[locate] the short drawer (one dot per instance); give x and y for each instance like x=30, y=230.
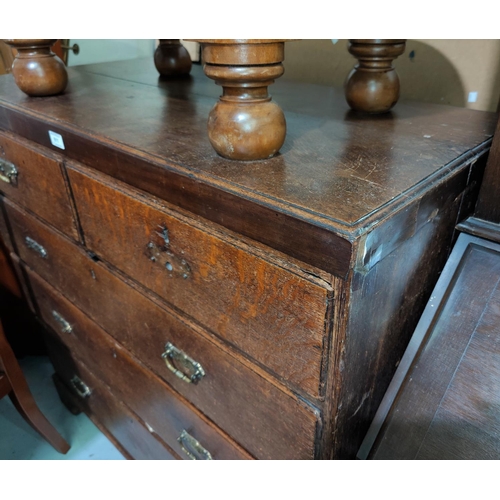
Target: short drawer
x=274, y=315
x=163, y=412
x=258, y=415
x=35, y=181
x=90, y=395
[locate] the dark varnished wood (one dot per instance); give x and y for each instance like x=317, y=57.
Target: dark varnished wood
x=373, y=84
x=153, y=401
x=397, y=268
x=355, y=169
x=21, y=329
x=40, y=184
x=258, y=415
x=37, y=70
x=172, y=59
x=247, y=293
x=480, y=227
x=485, y=222
x=488, y=207
x=441, y=402
x=112, y=416
x=69, y=399
x=371, y=200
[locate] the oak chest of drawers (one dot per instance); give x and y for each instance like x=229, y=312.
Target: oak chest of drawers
x=198, y=307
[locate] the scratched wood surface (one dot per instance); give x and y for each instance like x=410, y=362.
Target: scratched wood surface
x=159, y=406
x=247, y=294
x=39, y=184
x=120, y=424
x=233, y=396
x=336, y=173
x=361, y=212
x=374, y=158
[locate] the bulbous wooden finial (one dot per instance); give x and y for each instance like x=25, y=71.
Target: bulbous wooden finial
x=245, y=124
x=37, y=70
x=373, y=84
x=172, y=59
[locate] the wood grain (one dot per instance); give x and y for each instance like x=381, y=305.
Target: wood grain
x=120, y=423
x=304, y=274
x=259, y=416
x=40, y=185
x=335, y=171
x=243, y=299
x=37, y=70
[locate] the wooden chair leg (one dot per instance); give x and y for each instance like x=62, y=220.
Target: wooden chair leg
x=23, y=400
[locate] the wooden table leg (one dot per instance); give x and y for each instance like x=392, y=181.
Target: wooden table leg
x=373, y=84
x=36, y=69
x=172, y=59
x=245, y=124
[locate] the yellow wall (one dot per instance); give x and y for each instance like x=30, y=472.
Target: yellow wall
x=440, y=71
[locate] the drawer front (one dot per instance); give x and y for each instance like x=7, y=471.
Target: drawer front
x=153, y=401
x=35, y=181
x=4, y=227
x=101, y=406
x=261, y=417
x=275, y=316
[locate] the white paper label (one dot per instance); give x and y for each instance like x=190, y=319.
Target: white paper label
x=56, y=140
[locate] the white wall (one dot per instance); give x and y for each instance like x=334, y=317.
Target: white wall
x=95, y=50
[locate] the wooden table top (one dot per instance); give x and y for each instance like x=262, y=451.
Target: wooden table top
x=337, y=171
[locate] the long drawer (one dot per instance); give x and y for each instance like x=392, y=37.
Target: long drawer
x=35, y=180
x=261, y=417
x=96, y=400
x=153, y=401
x=272, y=314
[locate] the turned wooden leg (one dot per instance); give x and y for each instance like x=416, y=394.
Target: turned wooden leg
x=245, y=124
x=36, y=69
x=172, y=59
x=373, y=84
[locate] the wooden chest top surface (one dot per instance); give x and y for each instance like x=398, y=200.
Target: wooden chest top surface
x=345, y=193
x=337, y=175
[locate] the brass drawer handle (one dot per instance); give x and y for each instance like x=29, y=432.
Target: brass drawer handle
x=191, y=372
x=192, y=448
x=30, y=243
x=8, y=172
x=82, y=389
x=65, y=326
